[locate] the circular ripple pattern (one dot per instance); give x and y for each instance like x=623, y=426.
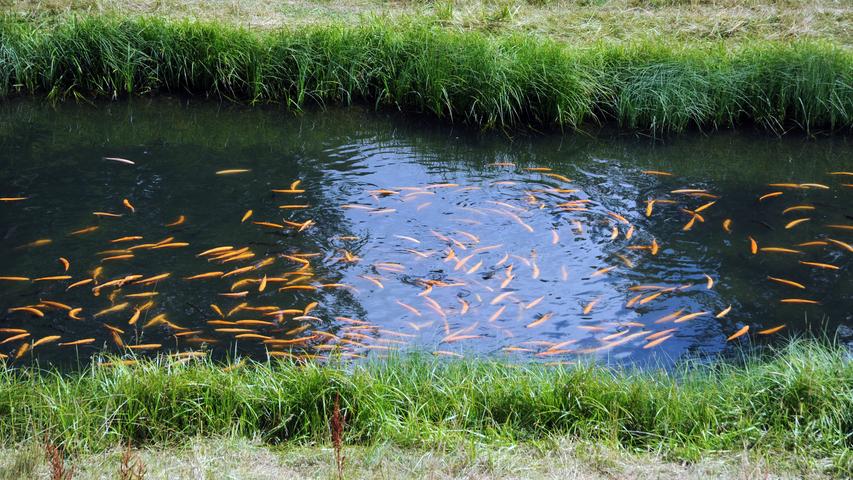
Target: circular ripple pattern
x=198, y=230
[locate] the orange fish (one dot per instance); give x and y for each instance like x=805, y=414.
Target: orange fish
x=170, y=245
x=769, y=195
x=84, y=341
x=779, y=250
x=373, y=280
x=47, y=339
x=532, y=303
x=500, y=297
x=689, y=316
x=65, y=263
x=24, y=348
x=845, y=246
x=797, y=208
x=145, y=346
x=114, y=308
x=255, y=336
x=738, y=333
x=655, y=343
x=794, y=223
x=498, y=313
x=154, y=279
x=235, y=294
x=651, y=297
x=602, y=271
x=117, y=339
x=120, y=160
x=19, y=336
x=544, y=318
x=129, y=205
x=38, y=243
x=705, y=206
x=84, y=230
x=786, y=282
x=633, y=300
x=771, y=330
x=216, y=250
x=53, y=304
x=118, y=257
x=464, y=308
x=269, y=225
x=181, y=219
x=80, y=283
x=447, y=353
x=205, y=275
x=31, y=310
x=126, y=239
x=826, y=266
x=409, y=308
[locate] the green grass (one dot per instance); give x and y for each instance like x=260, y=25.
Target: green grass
x=571, y=21
x=798, y=400
x=415, y=65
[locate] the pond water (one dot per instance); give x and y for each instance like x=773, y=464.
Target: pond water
x=388, y=233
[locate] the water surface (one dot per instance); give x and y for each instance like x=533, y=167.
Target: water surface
x=412, y=236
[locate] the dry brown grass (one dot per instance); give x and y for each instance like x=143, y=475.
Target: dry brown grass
x=580, y=21
x=558, y=459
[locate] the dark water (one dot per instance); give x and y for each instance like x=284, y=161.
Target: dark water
x=390, y=199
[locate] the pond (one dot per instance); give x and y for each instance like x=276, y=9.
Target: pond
x=161, y=225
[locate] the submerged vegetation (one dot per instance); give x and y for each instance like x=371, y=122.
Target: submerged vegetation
x=417, y=65
x=800, y=400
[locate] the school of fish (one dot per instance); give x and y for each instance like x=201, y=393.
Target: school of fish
x=446, y=289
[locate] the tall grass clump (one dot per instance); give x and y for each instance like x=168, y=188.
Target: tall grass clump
x=417, y=65
x=798, y=400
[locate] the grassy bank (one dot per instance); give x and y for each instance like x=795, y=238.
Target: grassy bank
x=799, y=402
x=242, y=459
x=419, y=66
x=572, y=21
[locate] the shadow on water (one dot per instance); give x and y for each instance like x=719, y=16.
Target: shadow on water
x=422, y=235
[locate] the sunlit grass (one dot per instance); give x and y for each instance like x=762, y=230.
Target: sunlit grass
x=418, y=66
x=798, y=400
x=571, y=21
